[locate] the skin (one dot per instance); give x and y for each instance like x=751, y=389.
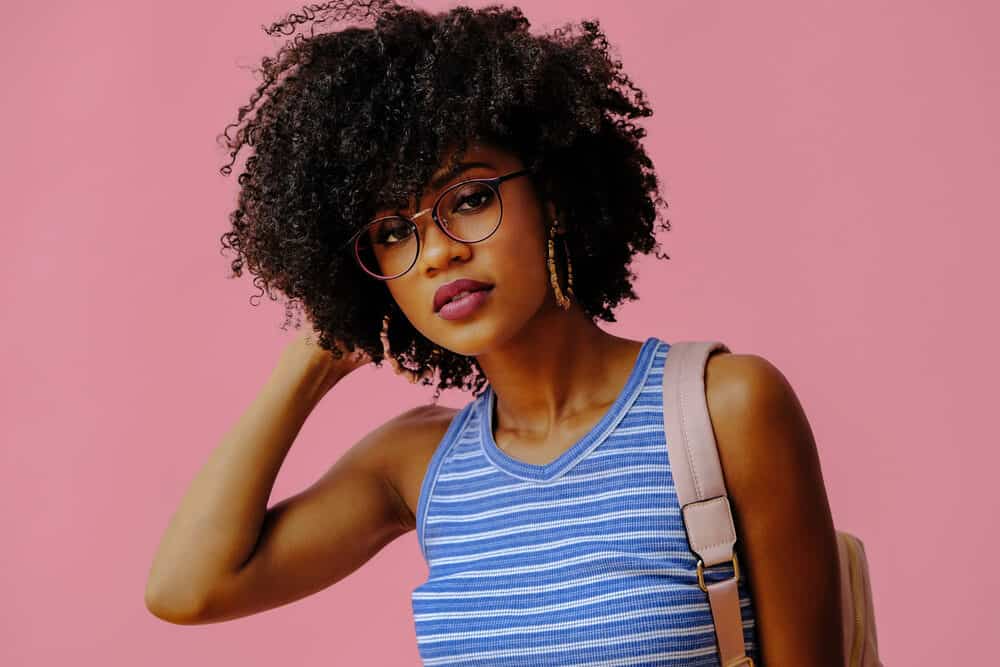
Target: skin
x=555, y=374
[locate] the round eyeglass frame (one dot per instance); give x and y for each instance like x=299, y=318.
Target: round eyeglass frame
x=493, y=183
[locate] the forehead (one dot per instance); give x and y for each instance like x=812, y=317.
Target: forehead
x=479, y=151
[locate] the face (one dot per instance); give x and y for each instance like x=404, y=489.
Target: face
x=512, y=259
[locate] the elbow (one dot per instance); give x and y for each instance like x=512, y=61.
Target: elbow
x=179, y=609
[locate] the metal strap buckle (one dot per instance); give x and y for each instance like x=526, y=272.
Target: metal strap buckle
x=702, y=586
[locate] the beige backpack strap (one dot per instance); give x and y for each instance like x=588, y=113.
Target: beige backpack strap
x=701, y=489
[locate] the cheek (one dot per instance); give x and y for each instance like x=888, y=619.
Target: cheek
x=407, y=297
x=517, y=250
x=523, y=264
x=517, y=261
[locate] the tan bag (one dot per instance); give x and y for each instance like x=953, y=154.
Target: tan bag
x=708, y=519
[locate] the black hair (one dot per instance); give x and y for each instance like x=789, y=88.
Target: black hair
x=347, y=121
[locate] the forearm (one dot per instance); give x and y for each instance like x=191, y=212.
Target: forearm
x=217, y=524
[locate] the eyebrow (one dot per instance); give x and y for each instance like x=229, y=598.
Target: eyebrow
x=459, y=168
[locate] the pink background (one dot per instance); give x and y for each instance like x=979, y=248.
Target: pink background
x=832, y=171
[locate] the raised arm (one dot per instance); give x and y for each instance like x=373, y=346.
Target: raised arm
x=224, y=554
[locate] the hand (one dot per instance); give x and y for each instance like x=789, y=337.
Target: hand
x=304, y=353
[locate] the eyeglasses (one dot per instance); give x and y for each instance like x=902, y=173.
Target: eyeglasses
x=469, y=212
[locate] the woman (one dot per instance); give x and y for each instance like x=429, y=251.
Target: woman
x=463, y=198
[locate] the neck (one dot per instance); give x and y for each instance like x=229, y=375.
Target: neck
x=560, y=364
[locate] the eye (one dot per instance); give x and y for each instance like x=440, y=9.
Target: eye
x=389, y=232
x=473, y=197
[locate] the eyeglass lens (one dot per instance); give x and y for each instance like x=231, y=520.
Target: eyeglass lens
x=470, y=212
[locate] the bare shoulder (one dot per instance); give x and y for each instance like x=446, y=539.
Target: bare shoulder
x=409, y=442
x=731, y=378
x=754, y=412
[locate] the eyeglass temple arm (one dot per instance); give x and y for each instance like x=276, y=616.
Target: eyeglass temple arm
x=513, y=174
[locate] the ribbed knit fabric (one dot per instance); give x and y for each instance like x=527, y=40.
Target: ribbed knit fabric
x=582, y=561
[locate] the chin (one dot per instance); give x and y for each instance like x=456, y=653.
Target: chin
x=468, y=340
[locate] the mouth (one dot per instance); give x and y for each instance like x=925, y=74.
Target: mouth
x=456, y=290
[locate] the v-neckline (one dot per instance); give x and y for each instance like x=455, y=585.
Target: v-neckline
x=555, y=468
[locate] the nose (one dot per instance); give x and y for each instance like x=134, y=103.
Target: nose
x=437, y=249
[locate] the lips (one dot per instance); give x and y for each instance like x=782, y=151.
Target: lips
x=444, y=293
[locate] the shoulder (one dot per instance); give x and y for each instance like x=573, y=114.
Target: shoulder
x=425, y=416
x=741, y=381
x=760, y=427
x=410, y=440
x=416, y=427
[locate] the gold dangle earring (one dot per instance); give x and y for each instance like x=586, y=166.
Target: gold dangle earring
x=561, y=299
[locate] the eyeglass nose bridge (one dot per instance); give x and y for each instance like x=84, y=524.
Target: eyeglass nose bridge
x=435, y=221
x=420, y=213
x=434, y=216
x=441, y=224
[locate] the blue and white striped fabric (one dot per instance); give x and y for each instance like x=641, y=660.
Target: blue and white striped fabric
x=582, y=561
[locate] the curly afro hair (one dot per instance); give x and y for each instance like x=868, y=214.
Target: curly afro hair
x=348, y=121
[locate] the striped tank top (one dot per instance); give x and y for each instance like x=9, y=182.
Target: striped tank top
x=581, y=561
